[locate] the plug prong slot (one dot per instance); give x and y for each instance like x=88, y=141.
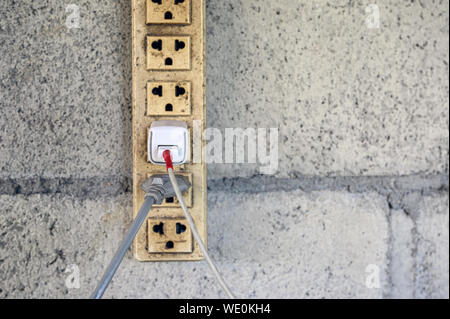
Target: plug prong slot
x=180, y=228
x=179, y=45
x=179, y=91
x=169, y=200
x=157, y=45
x=168, y=15
x=159, y=229
x=158, y=91
x=170, y=245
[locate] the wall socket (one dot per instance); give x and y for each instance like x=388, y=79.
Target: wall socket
x=169, y=98
x=168, y=11
x=172, y=202
x=182, y=168
x=168, y=53
x=169, y=236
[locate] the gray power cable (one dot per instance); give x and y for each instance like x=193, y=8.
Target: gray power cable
x=126, y=243
x=197, y=237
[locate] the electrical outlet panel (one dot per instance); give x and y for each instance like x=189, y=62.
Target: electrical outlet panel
x=169, y=85
x=169, y=236
x=168, y=11
x=168, y=53
x=169, y=98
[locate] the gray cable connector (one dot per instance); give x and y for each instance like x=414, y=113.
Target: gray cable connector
x=159, y=187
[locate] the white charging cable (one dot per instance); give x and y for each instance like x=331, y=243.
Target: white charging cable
x=173, y=180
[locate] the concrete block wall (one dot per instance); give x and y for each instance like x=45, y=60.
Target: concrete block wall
x=358, y=207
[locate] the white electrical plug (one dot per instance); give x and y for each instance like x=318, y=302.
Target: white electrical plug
x=168, y=135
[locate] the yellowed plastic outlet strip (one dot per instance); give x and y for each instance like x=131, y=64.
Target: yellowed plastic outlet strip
x=168, y=84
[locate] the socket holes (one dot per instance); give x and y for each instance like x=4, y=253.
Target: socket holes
x=179, y=45
x=170, y=200
x=169, y=108
x=170, y=245
x=159, y=229
x=179, y=91
x=168, y=61
x=157, y=45
x=168, y=15
x=158, y=91
x=179, y=1
x=180, y=228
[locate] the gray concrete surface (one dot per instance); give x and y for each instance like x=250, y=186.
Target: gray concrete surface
x=65, y=93
x=348, y=100
x=420, y=263
x=362, y=184
x=431, y=262
x=319, y=244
